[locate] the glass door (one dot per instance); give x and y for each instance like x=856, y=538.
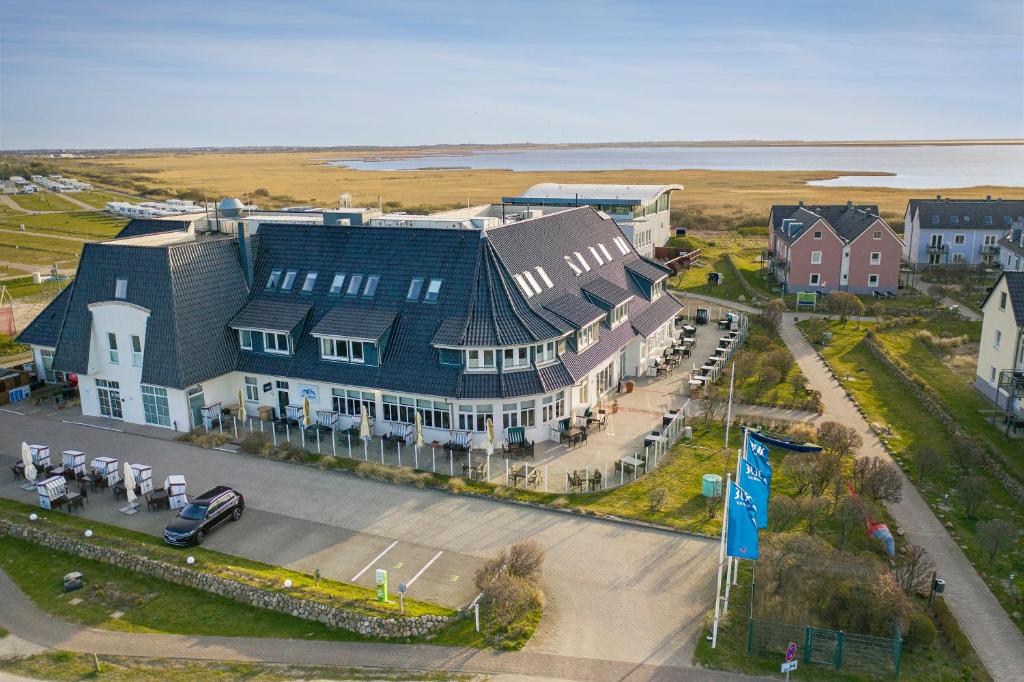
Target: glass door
x=109, y=394
x=195, y=405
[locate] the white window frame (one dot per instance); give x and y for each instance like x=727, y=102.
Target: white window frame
x=289, y=280
x=433, y=292
x=275, y=348
x=309, y=282
x=112, y=353
x=817, y=234
x=244, y=334
x=415, y=288
x=873, y=281
x=618, y=315
x=998, y=338
x=337, y=284
x=876, y=258
x=252, y=389
x=121, y=289
x=545, y=353
x=959, y=239
x=136, y=354
x=481, y=360
x=157, y=399
x=814, y=280
x=587, y=337
x=815, y=257
x=516, y=357
x=474, y=417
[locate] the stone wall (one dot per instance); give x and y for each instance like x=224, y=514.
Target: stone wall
x=933, y=405
x=306, y=609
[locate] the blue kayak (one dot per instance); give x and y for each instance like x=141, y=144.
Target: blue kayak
x=784, y=442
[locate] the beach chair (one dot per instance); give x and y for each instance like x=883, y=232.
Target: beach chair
x=516, y=443
x=458, y=441
x=561, y=430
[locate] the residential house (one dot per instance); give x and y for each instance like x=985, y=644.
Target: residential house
x=832, y=248
x=1000, y=373
x=522, y=323
x=943, y=231
x=642, y=211
x=1011, y=249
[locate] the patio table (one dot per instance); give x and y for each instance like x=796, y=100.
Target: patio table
x=630, y=464
x=93, y=479
x=577, y=436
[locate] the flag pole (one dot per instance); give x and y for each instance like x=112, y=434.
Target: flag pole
x=729, y=578
x=739, y=463
x=721, y=560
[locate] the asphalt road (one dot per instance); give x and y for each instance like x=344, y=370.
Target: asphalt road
x=613, y=592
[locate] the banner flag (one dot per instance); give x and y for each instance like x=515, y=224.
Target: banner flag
x=758, y=453
x=757, y=484
x=741, y=534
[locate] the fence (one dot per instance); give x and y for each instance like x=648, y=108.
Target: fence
x=821, y=646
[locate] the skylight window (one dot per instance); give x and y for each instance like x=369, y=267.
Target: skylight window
x=596, y=256
x=521, y=281
x=338, y=283
x=533, y=282
x=371, y=285
x=575, y=268
x=121, y=289
x=354, y=282
x=310, y=282
x=623, y=246
x=433, y=291
x=544, y=276
x=289, y=280
x=582, y=260
x=275, y=275
x=415, y=287
x=607, y=255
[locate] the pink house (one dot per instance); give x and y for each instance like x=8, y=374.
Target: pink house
x=833, y=248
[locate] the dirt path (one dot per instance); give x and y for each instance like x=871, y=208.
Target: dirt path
x=72, y=199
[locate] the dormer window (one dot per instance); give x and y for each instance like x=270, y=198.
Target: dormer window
x=310, y=282
x=245, y=339
x=275, y=342
x=545, y=352
x=289, y=280
x=433, y=291
x=371, y=285
x=275, y=277
x=337, y=284
x=617, y=315
x=415, y=287
x=657, y=289
x=515, y=358
x=480, y=359
x=354, y=283
x=121, y=289
x=587, y=337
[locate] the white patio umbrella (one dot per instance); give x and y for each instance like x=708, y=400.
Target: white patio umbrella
x=419, y=429
x=241, y=408
x=26, y=459
x=129, y=483
x=364, y=424
x=490, y=436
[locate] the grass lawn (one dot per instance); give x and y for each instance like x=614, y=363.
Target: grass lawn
x=36, y=250
x=43, y=201
x=86, y=225
x=937, y=663
x=9, y=347
x=888, y=402
x=716, y=249
x=22, y=287
x=99, y=198
x=789, y=391
x=68, y=666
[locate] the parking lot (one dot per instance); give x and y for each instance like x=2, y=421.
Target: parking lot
x=612, y=591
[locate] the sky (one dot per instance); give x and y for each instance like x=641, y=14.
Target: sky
x=193, y=74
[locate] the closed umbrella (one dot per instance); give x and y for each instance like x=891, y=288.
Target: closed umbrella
x=490, y=436
x=419, y=430
x=129, y=483
x=307, y=419
x=364, y=424
x=241, y=408
x=26, y=459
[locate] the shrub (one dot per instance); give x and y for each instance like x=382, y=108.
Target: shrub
x=525, y=559
x=951, y=628
x=920, y=631
x=256, y=444
x=995, y=535
x=455, y=485
x=913, y=568
x=973, y=491
x=328, y=462
x=205, y=439
x=656, y=499
x=382, y=472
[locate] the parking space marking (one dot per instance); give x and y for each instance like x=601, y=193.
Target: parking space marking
x=375, y=560
x=453, y=578
x=409, y=584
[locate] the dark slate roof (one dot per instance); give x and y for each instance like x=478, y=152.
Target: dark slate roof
x=975, y=209
x=1015, y=286
x=138, y=227
x=275, y=316
x=648, y=269
x=653, y=316
x=192, y=289
x=609, y=342
x=609, y=292
x=355, y=323
x=848, y=221
x=44, y=330
x=575, y=310
x=1012, y=241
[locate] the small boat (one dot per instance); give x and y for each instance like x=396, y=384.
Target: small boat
x=784, y=442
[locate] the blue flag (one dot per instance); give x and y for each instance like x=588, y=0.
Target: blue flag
x=757, y=483
x=757, y=452
x=741, y=532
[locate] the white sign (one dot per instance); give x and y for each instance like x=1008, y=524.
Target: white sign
x=789, y=665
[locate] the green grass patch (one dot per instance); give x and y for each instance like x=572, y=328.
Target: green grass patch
x=888, y=402
x=99, y=198
x=86, y=225
x=43, y=201
x=744, y=251
x=9, y=347
x=67, y=666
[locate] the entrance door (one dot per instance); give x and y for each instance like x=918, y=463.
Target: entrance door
x=109, y=394
x=195, y=405
x=283, y=400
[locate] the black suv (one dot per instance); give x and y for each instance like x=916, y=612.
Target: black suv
x=203, y=514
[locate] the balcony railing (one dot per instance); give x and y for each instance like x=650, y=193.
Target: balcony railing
x=938, y=248
x=990, y=250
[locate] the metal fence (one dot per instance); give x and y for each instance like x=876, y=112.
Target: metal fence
x=833, y=648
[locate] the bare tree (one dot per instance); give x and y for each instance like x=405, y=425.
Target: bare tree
x=711, y=402
x=847, y=516
x=844, y=304
x=973, y=491
x=766, y=378
x=814, y=510
x=779, y=358
x=771, y=314
x=745, y=365
x=525, y=559
x=878, y=480
x=912, y=568
x=800, y=469
x=923, y=459
x=783, y=512
x=839, y=439
x=962, y=457
x=798, y=383
x=995, y=535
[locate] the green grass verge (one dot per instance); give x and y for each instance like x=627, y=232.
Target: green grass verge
x=937, y=663
x=716, y=250
x=66, y=666
x=9, y=347
x=888, y=402
x=43, y=201
x=99, y=198
x=3, y=632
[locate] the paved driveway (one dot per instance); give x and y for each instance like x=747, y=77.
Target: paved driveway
x=613, y=592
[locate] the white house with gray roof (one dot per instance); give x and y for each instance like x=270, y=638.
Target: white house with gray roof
x=944, y=231
x=1000, y=373
x=524, y=323
x=642, y=211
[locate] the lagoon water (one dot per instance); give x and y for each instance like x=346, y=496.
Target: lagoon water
x=919, y=166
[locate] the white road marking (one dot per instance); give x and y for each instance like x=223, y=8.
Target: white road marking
x=20, y=414
x=92, y=426
x=375, y=560
x=409, y=584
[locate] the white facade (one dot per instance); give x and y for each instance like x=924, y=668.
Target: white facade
x=1001, y=347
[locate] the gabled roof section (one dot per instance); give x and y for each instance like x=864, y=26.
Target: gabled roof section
x=355, y=323
x=975, y=209
x=653, y=316
x=575, y=310
x=45, y=328
x=274, y=316
x=1015, y=287
x=1013, y=241
x=648, y=269
x=848, y=221
x=138, y=227
x=608, y=292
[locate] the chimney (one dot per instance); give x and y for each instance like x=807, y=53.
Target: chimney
x=801, y=203
x=937, y=197
x=988, y=197
x=849, y=204
x=244, y=251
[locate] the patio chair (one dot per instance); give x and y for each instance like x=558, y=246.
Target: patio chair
x=575, y=481
x=397, y=431
x=561, y=430
x=597, y=422
x=475, y=473
x=75, y=500
x=532, y=478
x=595, y=480
x=459, y=441
x=516, y=443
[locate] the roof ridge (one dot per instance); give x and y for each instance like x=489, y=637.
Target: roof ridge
x=172, y=284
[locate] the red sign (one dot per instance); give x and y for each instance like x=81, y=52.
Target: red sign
x=791, y=651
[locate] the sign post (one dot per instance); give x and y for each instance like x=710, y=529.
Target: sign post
x=790, y=663
x=401, y=597
x=382, y=585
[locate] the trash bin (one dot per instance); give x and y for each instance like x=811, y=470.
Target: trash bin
x=73, y=581
x=266, y=413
